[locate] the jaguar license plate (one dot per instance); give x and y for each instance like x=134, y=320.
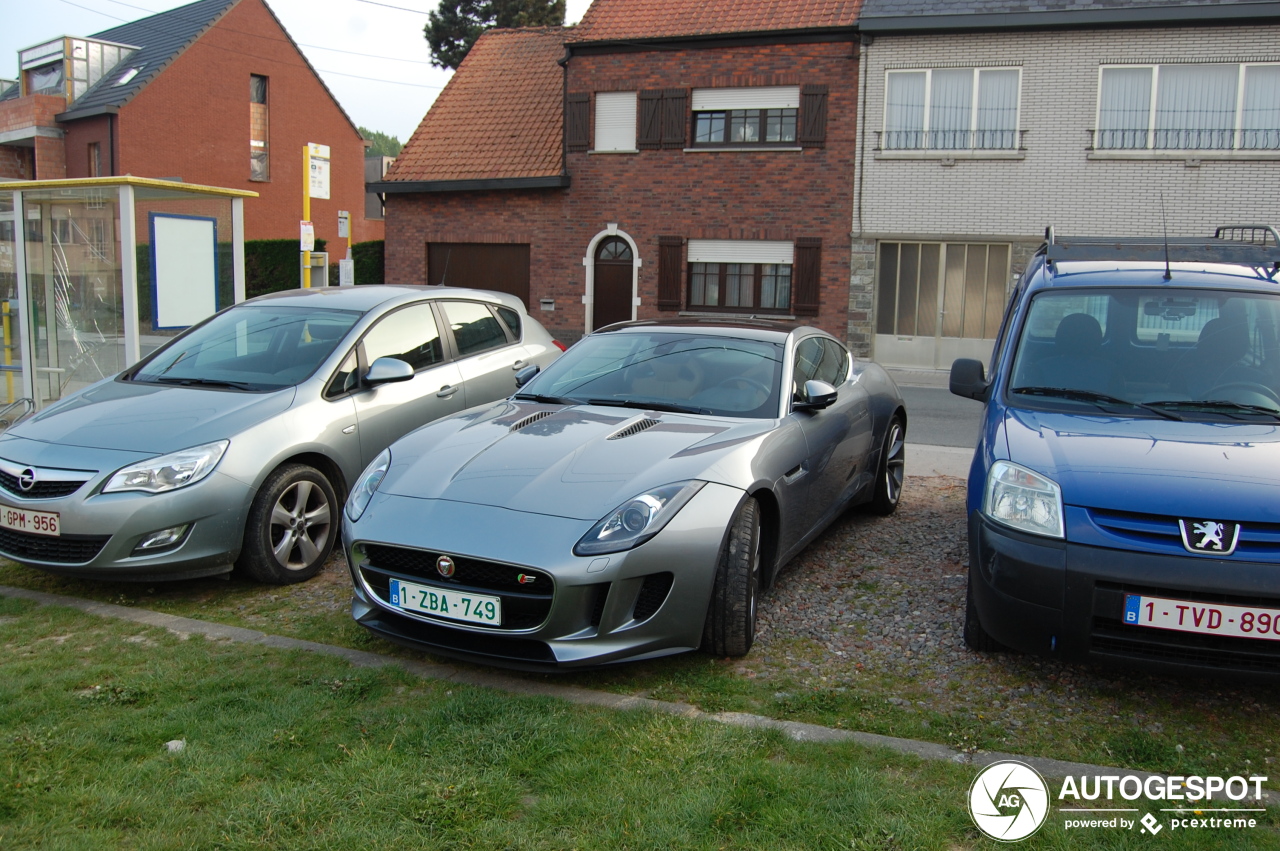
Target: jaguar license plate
x=446, y=603
x=1206, y=618
x=34, y=522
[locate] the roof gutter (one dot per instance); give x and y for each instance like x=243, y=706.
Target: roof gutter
x=1078, y=18
x=72, y=114
x=396, y=187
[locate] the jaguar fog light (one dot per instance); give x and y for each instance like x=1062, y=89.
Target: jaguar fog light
x=1023, y=500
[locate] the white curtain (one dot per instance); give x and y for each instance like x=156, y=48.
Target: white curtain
x=1260, y=126
x=950, y=108
x=1196, y=106
x=904, y=111
x=1125, y=111
x=997, y=109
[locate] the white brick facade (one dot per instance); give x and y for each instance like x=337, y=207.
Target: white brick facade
x=1055, y=180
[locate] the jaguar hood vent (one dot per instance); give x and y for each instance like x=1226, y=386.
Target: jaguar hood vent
x=634, y=429
x=531, y=419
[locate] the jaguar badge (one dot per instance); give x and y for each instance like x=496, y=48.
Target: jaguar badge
x=445, y=566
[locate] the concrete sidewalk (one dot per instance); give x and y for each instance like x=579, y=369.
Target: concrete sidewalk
x=923, y=460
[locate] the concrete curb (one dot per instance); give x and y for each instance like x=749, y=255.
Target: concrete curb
x=582, y=697
x=925, y=460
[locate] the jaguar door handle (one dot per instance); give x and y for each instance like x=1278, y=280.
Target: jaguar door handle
x=447, y=391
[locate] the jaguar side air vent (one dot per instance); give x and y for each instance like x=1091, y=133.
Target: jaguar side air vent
x=634, y=429
x=531, y=419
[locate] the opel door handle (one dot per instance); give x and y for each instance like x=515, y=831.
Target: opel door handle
x=447, y=391
x=518, y=365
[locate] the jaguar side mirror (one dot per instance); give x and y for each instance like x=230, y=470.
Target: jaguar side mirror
x=817, y=395
x=526, y=375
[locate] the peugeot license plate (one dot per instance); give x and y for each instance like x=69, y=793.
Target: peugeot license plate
x=446, y=603
x=34, y=522
x=1206, y=618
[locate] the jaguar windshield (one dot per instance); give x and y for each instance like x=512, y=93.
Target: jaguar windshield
x=686, y=373
x=1175, y=354
x=250, y=347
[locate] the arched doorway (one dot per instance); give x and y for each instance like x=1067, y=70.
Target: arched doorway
x=614, y=276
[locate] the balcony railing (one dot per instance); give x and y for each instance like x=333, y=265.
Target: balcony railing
x=1184, y=140
x=949, y=140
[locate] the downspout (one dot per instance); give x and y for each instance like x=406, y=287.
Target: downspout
x=111, y=141
x=862, y=127
x=563, y=62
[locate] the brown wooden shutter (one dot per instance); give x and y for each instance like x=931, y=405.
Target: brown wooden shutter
x=674, y=117
x=807, y=276
x=577, y=121
x=670, y=272
x=650, y=136
x=813, y=116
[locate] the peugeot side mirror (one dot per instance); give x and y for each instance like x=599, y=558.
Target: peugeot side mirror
x=968, y=379
x=387, y=371
x=817, y=395
x=526, y=375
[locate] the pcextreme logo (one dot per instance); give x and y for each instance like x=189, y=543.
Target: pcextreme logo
x=1009, y=801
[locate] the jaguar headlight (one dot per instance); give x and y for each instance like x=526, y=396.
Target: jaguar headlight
x=367, y=485
x=169, y=472
x=636, y=520
x=1023, y=500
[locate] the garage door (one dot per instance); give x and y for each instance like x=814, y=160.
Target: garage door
x=486, y=266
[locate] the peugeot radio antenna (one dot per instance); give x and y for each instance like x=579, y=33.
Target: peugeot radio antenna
x=1164, y=221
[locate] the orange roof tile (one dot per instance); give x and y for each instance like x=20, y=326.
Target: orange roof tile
x=618, y=20
x=500, y=116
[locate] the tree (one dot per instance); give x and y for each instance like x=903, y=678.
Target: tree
x=383, y=145
x=456, y=25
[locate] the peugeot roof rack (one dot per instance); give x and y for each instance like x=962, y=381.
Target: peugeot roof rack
x=1250, y=245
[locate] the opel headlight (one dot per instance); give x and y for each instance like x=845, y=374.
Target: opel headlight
x=367, y=485
x=169, y=472
x=636, y=520
x=1024, y=500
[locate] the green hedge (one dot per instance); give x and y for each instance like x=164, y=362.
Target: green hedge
x=369, y=261
x=272, y=265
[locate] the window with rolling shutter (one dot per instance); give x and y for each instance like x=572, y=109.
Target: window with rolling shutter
x=650, y=135
x=670, y=271
x=577, y=121
x=813, y=116
x=807, y=276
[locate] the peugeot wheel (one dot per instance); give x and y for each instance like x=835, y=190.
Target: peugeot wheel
x=291, y=528
x=731, y=619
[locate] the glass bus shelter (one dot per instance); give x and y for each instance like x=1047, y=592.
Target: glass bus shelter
x=98, y=272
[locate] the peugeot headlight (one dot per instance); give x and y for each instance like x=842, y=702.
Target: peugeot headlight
x=169, y=472
x=636, y=520
x=1024, y=500
x=367, y=485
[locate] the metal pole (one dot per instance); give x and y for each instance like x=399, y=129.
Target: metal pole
x=26, y=350
x=306, y=211
x=237, y=250
x=129, y=274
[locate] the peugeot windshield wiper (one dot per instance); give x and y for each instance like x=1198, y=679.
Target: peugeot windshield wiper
x=1218, y=406
x=201, y=382
x=648, y=406
x=546, y=400
x=1098, y=399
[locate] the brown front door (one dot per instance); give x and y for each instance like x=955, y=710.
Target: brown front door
x=485, y=266
x=613, y=276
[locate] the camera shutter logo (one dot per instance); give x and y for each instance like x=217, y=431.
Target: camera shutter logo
x=1009, y=801
x=27, y=479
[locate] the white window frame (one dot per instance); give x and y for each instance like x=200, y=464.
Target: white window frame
x=1241, y=68
x=973, y=106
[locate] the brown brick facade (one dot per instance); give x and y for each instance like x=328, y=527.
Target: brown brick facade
x=758, y=195
x=15, y=162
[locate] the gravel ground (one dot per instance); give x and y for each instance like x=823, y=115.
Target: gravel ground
x=877, y=604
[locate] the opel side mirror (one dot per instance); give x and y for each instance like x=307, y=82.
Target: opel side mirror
x=387, y=371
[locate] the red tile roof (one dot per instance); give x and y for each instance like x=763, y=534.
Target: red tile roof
x=616, y=20
x=500, y=116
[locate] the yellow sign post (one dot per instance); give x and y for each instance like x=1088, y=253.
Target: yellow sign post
x=306, y=212
x=315, y=182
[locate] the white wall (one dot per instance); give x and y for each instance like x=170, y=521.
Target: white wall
x=1056, y=182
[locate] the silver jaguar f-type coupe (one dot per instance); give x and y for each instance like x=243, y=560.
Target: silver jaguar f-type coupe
x=630, y=501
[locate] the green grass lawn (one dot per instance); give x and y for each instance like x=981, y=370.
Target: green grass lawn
x=293, y=750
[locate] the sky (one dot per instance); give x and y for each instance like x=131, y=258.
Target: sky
x=398, y=84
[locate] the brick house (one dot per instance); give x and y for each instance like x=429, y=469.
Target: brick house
x=662, y=158
x=215, y=93
x=984, y=121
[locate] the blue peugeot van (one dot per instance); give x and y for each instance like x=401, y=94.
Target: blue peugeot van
x=1124, y=498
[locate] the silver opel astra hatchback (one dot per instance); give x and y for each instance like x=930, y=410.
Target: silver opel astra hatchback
x=236, y=442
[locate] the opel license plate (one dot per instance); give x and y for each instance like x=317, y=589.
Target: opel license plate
x=1205, y=618
x=446, y=603
x=34, y=522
